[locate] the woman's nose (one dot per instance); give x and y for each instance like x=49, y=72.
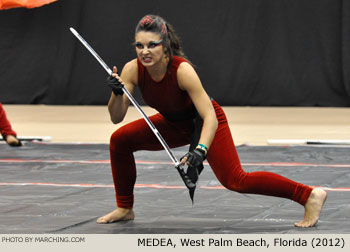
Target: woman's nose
x=145, y=50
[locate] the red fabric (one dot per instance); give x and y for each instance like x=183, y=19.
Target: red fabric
x=171, y=99
x=8, y=4
x=138, y=136
x=224, y=161
x=5, y=126
x=222, y=155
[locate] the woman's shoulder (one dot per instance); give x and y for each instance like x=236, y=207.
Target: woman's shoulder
x=130, y=70
x=186, y=74
x=131, y=64
x=181, y=61
x=131, y=67
x=184, y=65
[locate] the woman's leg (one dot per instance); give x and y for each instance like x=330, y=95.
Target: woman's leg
x=223, y=159
x=9, y=135
x=133, y=137
x=5, y=126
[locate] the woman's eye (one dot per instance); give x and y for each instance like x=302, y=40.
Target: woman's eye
x=152, y=45
x=139, y=45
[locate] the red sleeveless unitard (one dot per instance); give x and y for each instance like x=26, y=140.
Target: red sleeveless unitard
x=169, y=99
x=165, y=96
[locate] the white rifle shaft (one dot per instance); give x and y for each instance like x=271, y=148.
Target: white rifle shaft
x=131, y=98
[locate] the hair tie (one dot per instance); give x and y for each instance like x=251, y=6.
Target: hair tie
x=147, y=21
x=202, y=147
x=164, y=30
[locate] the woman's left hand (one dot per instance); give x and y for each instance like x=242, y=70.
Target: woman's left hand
x=193, y=158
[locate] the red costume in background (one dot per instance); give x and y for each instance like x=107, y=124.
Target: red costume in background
x=167, y=98
x=5, y=126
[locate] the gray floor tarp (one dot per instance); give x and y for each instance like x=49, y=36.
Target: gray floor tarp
x=64, y=188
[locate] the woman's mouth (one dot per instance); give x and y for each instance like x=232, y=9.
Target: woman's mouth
x=147, y=59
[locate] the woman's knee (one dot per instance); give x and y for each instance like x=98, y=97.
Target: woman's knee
x=234, y=181
x=119, y=139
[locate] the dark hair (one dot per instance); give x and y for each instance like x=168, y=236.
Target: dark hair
x=156, y=24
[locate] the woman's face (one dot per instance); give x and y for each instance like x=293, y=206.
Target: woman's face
x=149, y=48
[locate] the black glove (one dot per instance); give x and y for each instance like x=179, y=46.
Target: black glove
x=115, y=85
x=195, y=160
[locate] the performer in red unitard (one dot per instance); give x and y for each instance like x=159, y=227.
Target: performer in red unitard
x=6, y=130
x=169, y=83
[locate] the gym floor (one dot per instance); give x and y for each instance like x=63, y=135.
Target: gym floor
x=64, y=185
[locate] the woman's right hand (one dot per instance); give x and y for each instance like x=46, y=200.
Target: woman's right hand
x=115, y=82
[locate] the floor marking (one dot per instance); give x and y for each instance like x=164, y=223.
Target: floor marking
x=9, y=160
x=154, y=186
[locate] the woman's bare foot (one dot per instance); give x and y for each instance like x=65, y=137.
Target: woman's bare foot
x=120, y=214
x=313, y=208
x=13, y=141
